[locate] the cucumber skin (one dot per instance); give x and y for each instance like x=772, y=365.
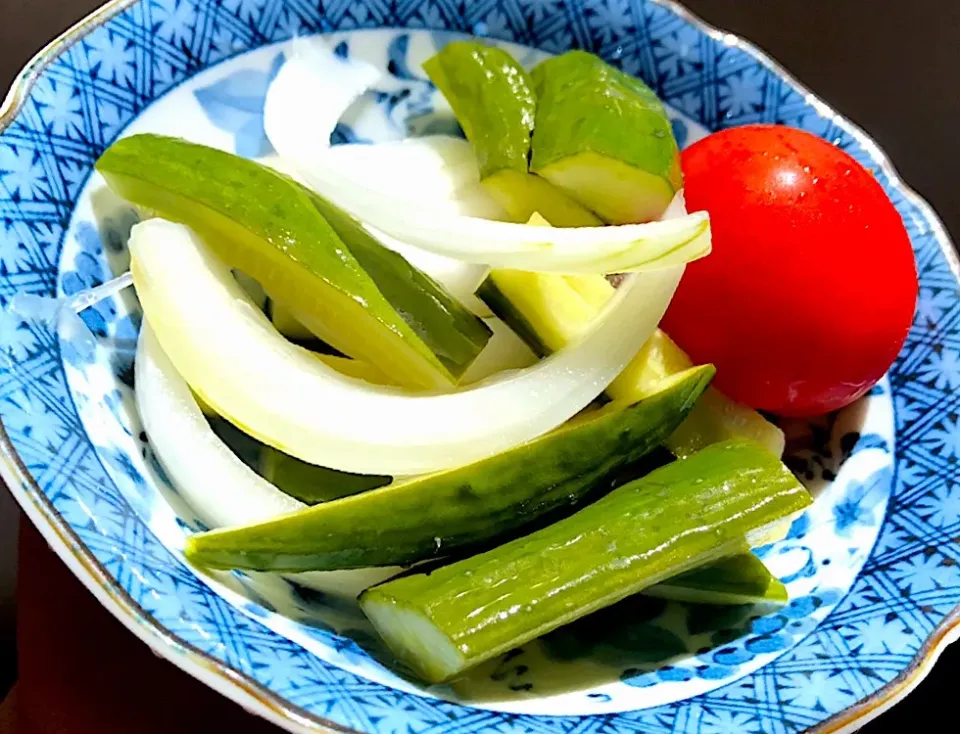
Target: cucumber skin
x=423, y=518
x=454, y=334
x=285, y=217
x=635, y=537
x=276, y=212
x=493, y=100
x=503, y=309
x=593, y=117
x=313, y=484
x=618, y=114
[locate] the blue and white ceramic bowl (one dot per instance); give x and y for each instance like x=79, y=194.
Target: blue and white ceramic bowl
x=873, y=568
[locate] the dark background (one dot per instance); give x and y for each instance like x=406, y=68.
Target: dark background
x=890, y=66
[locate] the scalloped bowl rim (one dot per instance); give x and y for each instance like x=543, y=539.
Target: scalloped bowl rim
x=251, y=695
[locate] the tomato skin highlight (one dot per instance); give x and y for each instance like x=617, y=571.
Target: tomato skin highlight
x=811, y=287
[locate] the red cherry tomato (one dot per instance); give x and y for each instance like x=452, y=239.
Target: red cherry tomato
x=810, y=289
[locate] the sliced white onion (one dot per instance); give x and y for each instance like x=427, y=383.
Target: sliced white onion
x=569, y=251
x=311, y=92
x=427, y=169
x=505, y=351
x=324, y=84
x=219, y=487
x=390, y=197
x=231, y=355
x=215, y=483
x=433, y=174
x=677, y=208
x=447, y=169
x=458, y=278
x=431, y=168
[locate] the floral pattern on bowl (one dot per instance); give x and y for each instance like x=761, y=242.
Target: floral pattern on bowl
x=871, y=568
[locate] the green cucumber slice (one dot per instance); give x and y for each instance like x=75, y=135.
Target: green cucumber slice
x=492, y=97
x=669, y=522
x=542, y=308
x=430, y=516
x=740, y=579
x=719, y=418
x=522, y=194
x=266, y=225
x=603, y=138
x=313, y=484
x=493, y=100
x=454, y=334
x=549, y=311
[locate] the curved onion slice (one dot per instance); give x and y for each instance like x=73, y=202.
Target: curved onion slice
x=219, y=487
x=569, y=251
x=440, y=170
x=460, y=279
x=505, y=351
x=230, y=354
x=444, y=182
x=297, y=129
x=324, y=84
x=432, y=168
x=435, y=173
x=434, y=190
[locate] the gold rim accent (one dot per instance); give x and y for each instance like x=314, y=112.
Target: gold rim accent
x=274, y=707
x=28, y=74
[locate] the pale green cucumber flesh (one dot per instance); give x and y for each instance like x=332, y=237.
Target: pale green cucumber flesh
x=504, y=308
x=493, y=100
x=719, y=418
x=522, y=194
x=677, y=518
x=265, y=225
x=604, y=138
x=313, y=484
x=740, y=579
x=548, y=311
x=434, y=515
x=616, y=191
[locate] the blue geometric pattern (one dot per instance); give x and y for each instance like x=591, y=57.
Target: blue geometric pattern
x=95, y=87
